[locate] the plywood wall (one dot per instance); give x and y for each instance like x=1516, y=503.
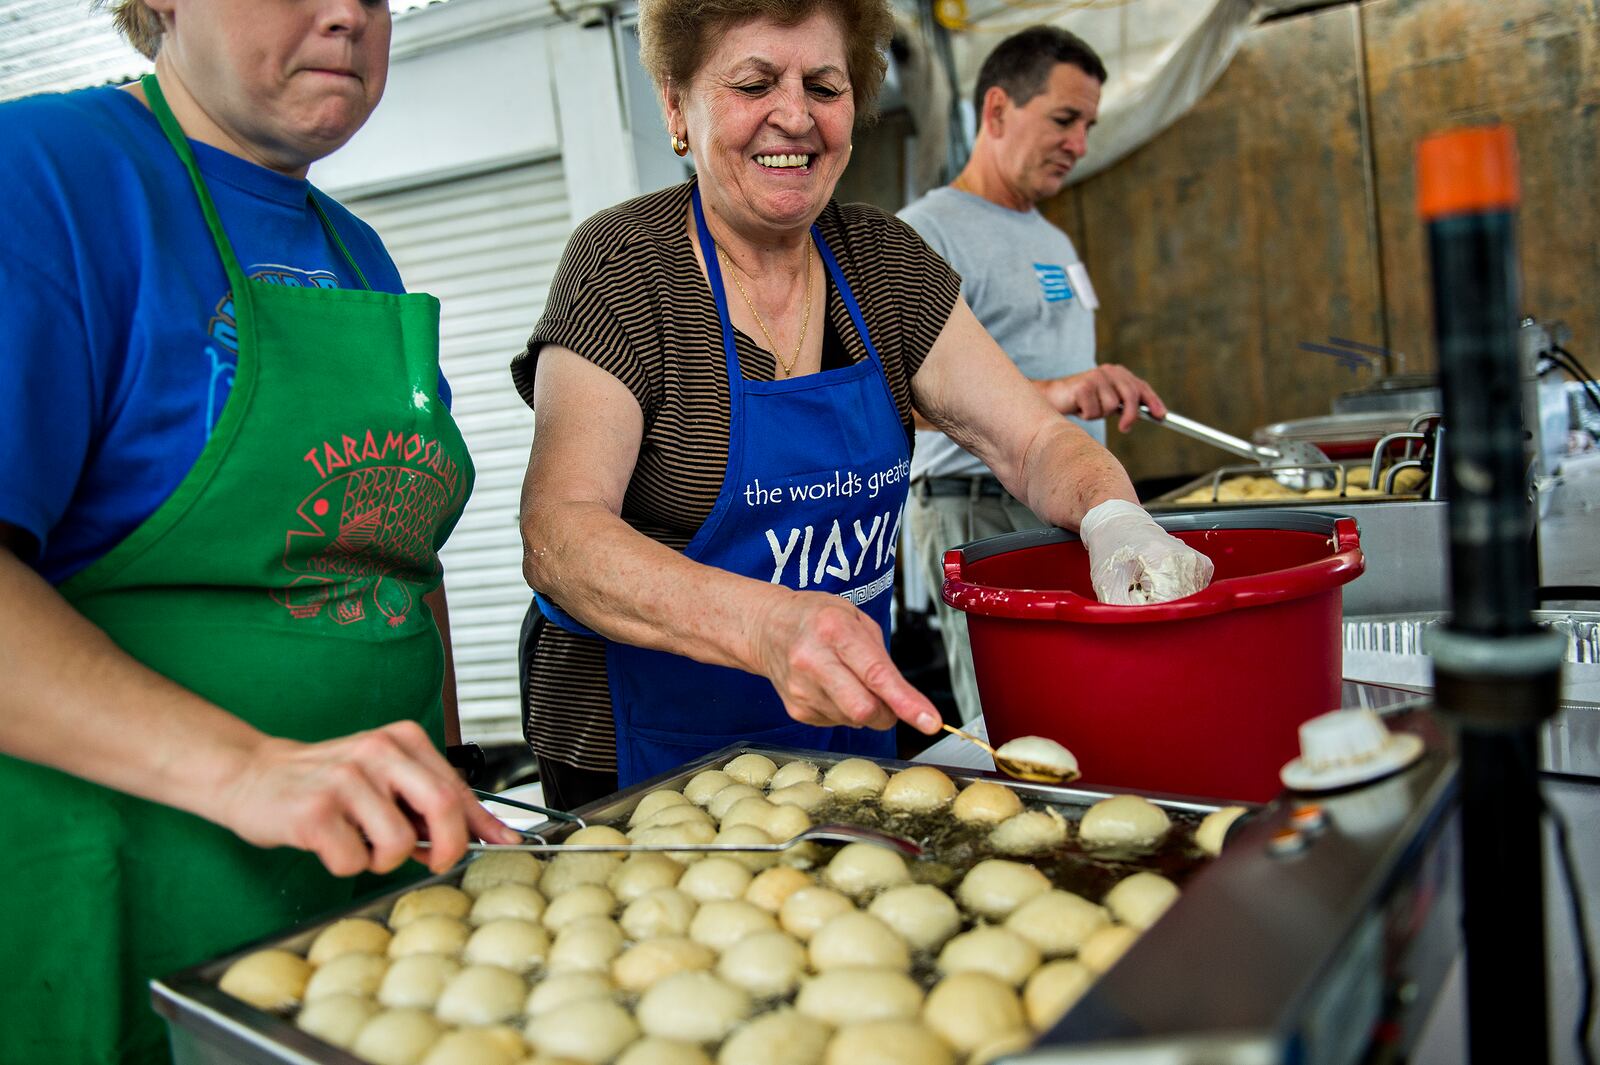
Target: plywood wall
x=1281, y=209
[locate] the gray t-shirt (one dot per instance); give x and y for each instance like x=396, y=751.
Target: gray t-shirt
x=1014, y=268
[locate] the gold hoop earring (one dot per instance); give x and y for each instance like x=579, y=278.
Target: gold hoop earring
x=681, y=147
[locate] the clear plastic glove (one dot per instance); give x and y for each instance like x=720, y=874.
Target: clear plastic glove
x=1134, y=561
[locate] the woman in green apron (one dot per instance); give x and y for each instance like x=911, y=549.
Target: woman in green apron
x=229, y=466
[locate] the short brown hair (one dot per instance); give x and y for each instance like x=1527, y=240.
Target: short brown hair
x=675, y=36
x=138, y=25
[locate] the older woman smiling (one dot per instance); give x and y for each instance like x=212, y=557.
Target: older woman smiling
x=711, y=505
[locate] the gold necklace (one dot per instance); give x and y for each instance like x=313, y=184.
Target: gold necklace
x=805, y=319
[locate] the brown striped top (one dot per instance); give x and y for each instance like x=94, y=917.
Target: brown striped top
x=630, y=297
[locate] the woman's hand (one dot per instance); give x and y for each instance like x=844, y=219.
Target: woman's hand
x=828, y=663
x=1101, y=393
x=1133, y=560
x=350, y=801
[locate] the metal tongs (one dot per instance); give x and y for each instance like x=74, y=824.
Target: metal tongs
x=828, y=833
x=1293, y=463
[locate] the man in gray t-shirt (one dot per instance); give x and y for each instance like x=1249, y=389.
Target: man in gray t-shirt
x=1038, y=94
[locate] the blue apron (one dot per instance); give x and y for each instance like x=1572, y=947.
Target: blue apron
x=815, y=484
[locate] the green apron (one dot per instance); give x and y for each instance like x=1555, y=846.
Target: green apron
x=283, y=581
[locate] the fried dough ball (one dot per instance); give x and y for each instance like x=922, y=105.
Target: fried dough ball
x=437, y=900
x=569, y=871
x=984, y=802
x=508, y=901
x=268, y=979
x=397, y=1037
x=510, y=944
x=997, y=951
x=695, y=1007
x=501, y=867
x=1053, y=989
x=653, y=1051
x=796, y=772
x=1029, y=832
x=1213, y=830
x=721, y=924
x=472, y=1046
x=482, y=994
x=751, y=810
x=807, y=794
x=336, y=1019
x=853, y=996
x=433, y=934
x=563, y=989
x=592, y=1031
x=923, y=915
x=416, y=981
x=1106, y=947
x=684, y=832
x=887, y=1043
x=752, y=769
x=1140, y=900
x=855, y=778
x=1123, y=821
x=1057, y=922
x=770, y=888
x=786, y=822
x=643, y=965
x=586, y=945
x=766, y=964
x=728, y=797
x=994, y=887
x=716, y=878
x=642, y=874
x=704, y=785
x=586, y=900
x=353, y=935
x=348, y=974
x=863, y=869
x=673, y=815
x=857, y=940
x=782, y=1037
x=809, y=909
x=920, y=788
x=755, y=861
x=663, y=912
x=653, y=803
x=967, y=1009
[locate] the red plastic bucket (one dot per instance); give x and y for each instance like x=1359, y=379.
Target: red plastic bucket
x=1202, y=696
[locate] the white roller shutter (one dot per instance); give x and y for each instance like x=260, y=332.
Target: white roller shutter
x=487, y=246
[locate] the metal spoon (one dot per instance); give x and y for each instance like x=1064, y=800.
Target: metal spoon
x=830, y=833
x=1033, y=770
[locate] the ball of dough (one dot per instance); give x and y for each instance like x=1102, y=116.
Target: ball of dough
x=770, y=888
x=1213, y=830
x=508, y=902
x=397, y=1037
x=674, y=815
x=337, y=1019
x=438, y=900
x=1052, y=990
x=997, y=951
x=416, y=981
x=482, y=994
x=755, y=861
x=1029, y=832
x=994, y=887
x=642, y=874
x=984, y=802
x=704, y=785
x=595, y=835
x=563, y=989
x=1106, y=947
x=353, y=935
x=646, y=964
x=433, y=934
x=586, y=945
x=786, y=822
x=348, y=974
x=920, y=788
x=752, y=769
x=501, y=867
x=921, y=914
x=653, y=803
x=1140, y=900
x=471, y=1046
x=752, y=810
x=695, y=1007
x=592, y=1031
x=857, y=940
x=796, y=772
x=809, y=909
x=587, y=900
x=653, y=1051
x=807, y=794
x=716, y=878
x=853, y=996
x=663, y=912
x=684, y=832
x=854, y=779
x=728, y=797
x=782, y=1037
x=862, y=869
x=969, y=1008
x=887, y=1043
x=1057, y=922
x=510, y=944
x=568, y=871
x=766, y=964
x=1001, y=1045
x=1123, y=821
x=721, y=924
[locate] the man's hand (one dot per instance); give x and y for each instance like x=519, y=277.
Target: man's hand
x=1101, y=392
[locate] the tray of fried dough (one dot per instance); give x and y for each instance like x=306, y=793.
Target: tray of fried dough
x=818, y=955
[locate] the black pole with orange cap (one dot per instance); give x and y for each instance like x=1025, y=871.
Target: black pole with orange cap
x=1497, y=675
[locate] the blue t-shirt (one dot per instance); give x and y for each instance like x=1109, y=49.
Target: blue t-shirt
x=117, y=328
